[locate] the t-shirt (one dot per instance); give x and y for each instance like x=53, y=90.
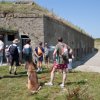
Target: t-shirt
x=46, y=51
x=59, y=48
x=42, y=49
x=27, y=49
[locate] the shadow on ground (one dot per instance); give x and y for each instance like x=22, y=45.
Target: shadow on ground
x=81, y=82
x=20, y=74
x=84, y=59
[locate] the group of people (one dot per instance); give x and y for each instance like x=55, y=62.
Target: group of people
x=62, y=57
x=12, y=54
x=39, y=54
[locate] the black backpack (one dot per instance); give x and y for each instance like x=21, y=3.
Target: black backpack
x=13, y=50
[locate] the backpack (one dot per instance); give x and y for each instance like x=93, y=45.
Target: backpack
x=27, y=51
x=64, y=53
x=39, y=51
x=13, y=50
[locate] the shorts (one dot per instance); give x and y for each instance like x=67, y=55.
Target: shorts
x=46, y=58
x=28, y=58
x=14, y=60
x=40, y=59
x=60, y=66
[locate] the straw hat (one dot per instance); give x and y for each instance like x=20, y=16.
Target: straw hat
x=16, y=41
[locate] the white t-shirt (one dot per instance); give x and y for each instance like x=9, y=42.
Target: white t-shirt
x=1, y=48
x=26, y=46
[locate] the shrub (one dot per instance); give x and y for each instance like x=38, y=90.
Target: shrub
x=79, y=94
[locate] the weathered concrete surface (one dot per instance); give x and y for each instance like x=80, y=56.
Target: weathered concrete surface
x=91, y=65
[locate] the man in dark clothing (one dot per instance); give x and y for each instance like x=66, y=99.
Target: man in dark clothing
x=14, y=56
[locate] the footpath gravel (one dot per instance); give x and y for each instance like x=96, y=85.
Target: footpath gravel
x=90, y=63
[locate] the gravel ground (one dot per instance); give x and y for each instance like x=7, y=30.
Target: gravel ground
x=90, y=63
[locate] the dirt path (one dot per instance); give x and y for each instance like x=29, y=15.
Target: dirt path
x=92, y=63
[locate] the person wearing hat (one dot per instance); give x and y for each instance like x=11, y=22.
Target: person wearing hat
x=14, y=56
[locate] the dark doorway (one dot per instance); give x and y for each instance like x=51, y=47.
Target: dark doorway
x=23, y=39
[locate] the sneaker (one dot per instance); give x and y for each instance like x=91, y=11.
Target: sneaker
x=10, y=72
x=62, y=85
x=49, y=84
x=15, y=73
x=38, y=70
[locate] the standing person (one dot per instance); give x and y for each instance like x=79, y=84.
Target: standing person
x=7, y=54
x=27, y=51
x=46, y=54
x=20, y=59
x=39, y=51
x=1, y=49
x=14, y=56
x=59, y=62
x=71, y=57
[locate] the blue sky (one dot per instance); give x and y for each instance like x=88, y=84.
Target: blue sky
x=83, y=13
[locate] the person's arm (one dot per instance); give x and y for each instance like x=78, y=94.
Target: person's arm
x=71, y=52
x=35, y=53
x=55, y=52
x=19, y=51
x=23, y=49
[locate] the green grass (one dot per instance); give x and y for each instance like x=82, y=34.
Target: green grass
x=97, y=39
x=79, y=86
x=97, y=43
x=21, y=8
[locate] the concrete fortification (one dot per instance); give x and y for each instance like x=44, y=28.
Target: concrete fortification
x=32, y=21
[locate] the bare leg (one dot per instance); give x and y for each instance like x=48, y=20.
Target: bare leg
x=10, y=69
x=64, y=76
x=52, y=75
x=15, y=69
